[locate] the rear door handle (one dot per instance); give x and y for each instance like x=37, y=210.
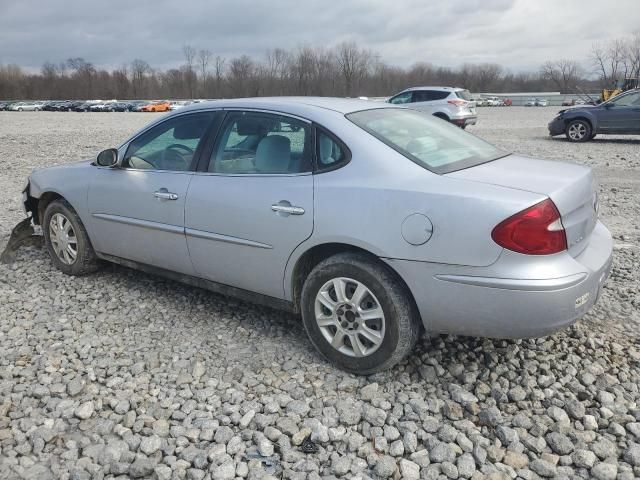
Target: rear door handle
x=285, y=208
x=165, y=195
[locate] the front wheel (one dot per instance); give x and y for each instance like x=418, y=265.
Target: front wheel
x=67, y=240
x=578, y=131
x=358, y=314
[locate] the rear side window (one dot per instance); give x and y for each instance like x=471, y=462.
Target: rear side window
x=464, y=94
x=262, y=143
x=429, y=95
x=330, y=153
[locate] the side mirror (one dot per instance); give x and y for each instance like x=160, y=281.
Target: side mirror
x=107, y=158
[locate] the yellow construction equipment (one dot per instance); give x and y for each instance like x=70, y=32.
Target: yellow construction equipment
x=621, y=86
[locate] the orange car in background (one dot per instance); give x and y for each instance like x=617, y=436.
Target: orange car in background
x=161, y=106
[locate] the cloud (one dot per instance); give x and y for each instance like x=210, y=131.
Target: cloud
x=519, y=34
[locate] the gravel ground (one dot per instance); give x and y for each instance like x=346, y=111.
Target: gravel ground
x=121, y=374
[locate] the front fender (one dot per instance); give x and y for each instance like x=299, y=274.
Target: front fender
x=68, y=181
x=582, y=114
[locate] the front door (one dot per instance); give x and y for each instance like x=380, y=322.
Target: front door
x=620, y=115
x=254, y=204
x=137, y=209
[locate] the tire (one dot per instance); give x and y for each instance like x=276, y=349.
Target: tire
x=441, y=116
x=578, y=131
x=396, y=328
x=85, y=260
x=19, y=109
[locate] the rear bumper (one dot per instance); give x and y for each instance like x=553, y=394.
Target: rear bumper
x=551, y=292
x=463, y=121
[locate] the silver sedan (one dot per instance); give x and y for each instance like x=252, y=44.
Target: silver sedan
x=373, y=222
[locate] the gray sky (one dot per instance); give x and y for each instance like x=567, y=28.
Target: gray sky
x=518, y=34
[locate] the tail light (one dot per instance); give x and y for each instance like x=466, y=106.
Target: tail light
x=457, y=102
x=537, y=230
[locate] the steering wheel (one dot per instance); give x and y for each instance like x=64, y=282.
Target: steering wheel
x=179, y=146
x=179, y=152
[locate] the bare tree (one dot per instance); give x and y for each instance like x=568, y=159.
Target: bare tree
x=139, y=71
x=564, y=74
x=190, y=74
x=204, y=57
x=219, y=68
x=353, y=63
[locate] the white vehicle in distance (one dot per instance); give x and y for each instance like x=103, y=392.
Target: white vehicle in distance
x=541, y=102
x=448, y=103
x=27, y=106
x=178, y=105
x=531, y=102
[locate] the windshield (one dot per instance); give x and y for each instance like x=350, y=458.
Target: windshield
x=428, y=141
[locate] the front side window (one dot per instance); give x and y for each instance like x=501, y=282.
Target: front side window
x=170, y=145
x=628, y=100
x=426, y=140
x=254, y=143
x=402, y=98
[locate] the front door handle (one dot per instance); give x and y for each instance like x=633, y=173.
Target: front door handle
x=165, y=195
x=285, y=208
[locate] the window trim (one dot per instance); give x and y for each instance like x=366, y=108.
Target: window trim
x=316, y=151
x=122, y=149
x=203, y=166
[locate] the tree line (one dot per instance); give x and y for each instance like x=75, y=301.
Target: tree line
x=344, y=70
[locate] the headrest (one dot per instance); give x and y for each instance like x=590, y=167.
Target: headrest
x=273, y=154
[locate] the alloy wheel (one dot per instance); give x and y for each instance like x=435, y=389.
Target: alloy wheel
x=63, y=239
x=350, y=317
x=577, y=131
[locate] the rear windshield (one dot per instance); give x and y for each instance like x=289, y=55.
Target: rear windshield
x=426, y=140
x=464, y=94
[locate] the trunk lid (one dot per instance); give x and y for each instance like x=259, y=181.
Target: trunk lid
x=571, y=187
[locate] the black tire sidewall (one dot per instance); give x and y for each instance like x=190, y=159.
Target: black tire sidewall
x=381, y=291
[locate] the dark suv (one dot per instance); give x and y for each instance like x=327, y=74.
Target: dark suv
x=617, y=116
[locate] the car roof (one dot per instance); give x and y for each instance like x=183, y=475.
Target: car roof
x=442, y=89
x=291, y=104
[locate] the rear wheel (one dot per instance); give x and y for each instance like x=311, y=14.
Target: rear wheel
x=442, y=116
x=358, y=314
x=578, y=131
x=67, y=241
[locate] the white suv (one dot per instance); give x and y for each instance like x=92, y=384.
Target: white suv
x=452, y=104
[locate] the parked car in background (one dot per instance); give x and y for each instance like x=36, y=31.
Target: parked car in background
x=479, y=101
x=531, y=102
x=541, y=102
x=246, y=197
x=161, y=106
x=27, y=106
x=451, y=104
x=507, y=102
x=619, y=115
x=179, y=104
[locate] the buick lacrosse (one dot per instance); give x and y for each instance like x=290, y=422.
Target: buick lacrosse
x=371, y=221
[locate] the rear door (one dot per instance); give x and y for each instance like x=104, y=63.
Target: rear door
x=137, y=209
x=253, y=204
